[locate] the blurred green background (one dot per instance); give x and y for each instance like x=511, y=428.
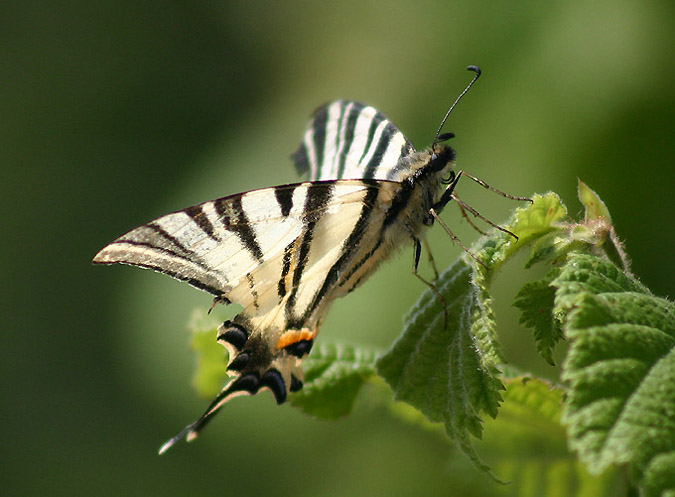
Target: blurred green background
x=113, y=113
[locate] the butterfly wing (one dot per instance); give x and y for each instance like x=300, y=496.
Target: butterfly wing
x=254, y=248
x=283, y=253
x=350, y=140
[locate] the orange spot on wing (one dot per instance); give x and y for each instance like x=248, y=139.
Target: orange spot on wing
x=294, y=336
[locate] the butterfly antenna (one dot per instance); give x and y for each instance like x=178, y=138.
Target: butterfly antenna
x=476, y=70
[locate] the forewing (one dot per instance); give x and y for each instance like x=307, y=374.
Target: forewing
x=349, y=140
x=257, y=248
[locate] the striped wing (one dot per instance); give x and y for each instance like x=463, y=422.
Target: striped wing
x=261, y=248
x=349, y=140
x=283, y=253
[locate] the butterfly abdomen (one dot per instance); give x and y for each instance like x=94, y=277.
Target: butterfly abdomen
x=252, y=353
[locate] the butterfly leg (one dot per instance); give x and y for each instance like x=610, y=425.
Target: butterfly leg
x=430, y=256
x=217, y=300
x=435, y=215
x=493, y=189
x=463, y=206
x=449, y=194
x=463, y=210
x=432, y=287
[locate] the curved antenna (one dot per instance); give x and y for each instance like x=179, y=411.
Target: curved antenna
x=447, y=114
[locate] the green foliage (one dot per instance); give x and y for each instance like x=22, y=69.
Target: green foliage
x=211, y=357
x=526, y=445
x=529, y=420
x=334, y=376
x=535, y=300
x=451, y=373
x=621, y=371
x=615, y=407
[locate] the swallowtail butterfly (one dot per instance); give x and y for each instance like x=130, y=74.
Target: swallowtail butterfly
x=285, y=253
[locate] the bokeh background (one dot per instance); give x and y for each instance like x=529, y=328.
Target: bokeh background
x=113, y=113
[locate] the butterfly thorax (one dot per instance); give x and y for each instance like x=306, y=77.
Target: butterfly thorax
x=423, y=176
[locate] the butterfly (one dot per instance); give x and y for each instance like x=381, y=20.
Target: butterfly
x=286, y=253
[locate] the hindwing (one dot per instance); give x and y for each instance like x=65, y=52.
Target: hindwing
x=350, y=140
x=285, y=253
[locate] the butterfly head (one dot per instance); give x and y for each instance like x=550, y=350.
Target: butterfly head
x=442, y=155
x=436, y=165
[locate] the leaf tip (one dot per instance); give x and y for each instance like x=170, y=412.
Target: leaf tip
x=593, y=204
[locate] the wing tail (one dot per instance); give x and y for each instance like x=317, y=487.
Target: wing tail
x=247, y=384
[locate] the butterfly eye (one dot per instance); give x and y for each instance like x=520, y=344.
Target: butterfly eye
x=449, y=178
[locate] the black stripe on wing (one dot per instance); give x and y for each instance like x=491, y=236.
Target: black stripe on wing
x=349, y=247
x=315, y=202
x=186, y=256
x=282, y=286
x=382, y=146
x=348, y=138
x=284, y=196
x=182, y=277
x=234, y=219
x=164, y=236
x=398, y=204
x=199, y=217
x=320, y=125
x=374, y=123
x=301, y=160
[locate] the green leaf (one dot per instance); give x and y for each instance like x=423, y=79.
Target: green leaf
x=334, y=376
x=211, y=369
x=441, y=371
x=620, y=408
x=532, y=407
x=597, y=228
x=451, y=373
x=526, y=445
x=593, y=274
x=595, y=207
x=535, y=300
x=552, y=246
x=595, y=235
x=530, y=224
x=542, y=216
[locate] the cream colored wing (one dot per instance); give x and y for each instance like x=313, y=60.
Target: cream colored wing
x=262, y=247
